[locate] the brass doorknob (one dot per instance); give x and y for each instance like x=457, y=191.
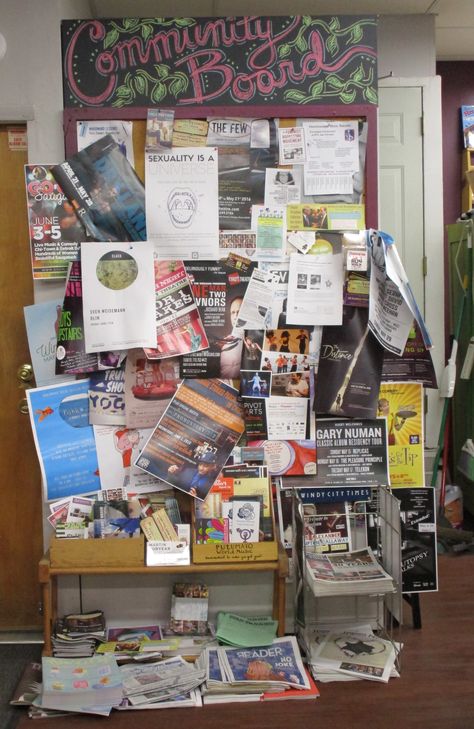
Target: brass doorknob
x=23, y=406
x=25, y=373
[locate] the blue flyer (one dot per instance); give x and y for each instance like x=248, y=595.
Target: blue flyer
x=64, y=439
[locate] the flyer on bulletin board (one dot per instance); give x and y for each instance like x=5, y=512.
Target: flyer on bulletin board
x=401, y=403
x=64, y=439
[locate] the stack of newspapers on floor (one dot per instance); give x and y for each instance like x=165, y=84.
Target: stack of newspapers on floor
x=349, y=573
x=97, y=684
x=170, y=683
x=351, y=652
x=258, y=673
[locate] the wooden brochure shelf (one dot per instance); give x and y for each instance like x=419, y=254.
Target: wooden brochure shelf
x=48, y=573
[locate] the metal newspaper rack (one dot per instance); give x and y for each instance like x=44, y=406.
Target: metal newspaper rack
x=373, y=519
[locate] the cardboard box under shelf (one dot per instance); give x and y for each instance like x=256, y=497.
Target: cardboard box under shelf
x=238, y=552
x=97, y=552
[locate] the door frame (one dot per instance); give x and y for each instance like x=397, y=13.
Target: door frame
x=433, y=224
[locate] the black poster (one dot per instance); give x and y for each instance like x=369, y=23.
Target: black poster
x=419, y=557
x=299, y=59
x=351, y=452
x=350, y=366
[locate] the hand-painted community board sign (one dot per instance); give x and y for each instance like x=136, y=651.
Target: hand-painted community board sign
x=300, y=59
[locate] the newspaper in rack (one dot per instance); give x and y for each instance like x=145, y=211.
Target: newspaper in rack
x=356, y=572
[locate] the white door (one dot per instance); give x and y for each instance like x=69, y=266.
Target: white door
x=411, y=202
x=401, y=178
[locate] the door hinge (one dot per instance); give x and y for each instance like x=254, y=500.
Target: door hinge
x=424, y=264
x=422, y=125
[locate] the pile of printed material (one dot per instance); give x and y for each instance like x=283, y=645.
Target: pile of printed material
x=80, y=685
x=77, y=636
x=254, y=674
x=351, y=653
x=356, y=573
x=169, y=683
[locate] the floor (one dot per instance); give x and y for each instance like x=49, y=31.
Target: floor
x=435, y=690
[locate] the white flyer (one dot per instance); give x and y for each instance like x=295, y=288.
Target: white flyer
x=332, y=156
x=282, y=187
x=228, y=132
x=286, y=418
x=257, y=302
x=291, y=144
x=118, y=286
x=117, y=449
x=182, y=212
x=121, y=131
x=315, y=286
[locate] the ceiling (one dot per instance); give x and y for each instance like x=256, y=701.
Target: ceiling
x=454, y=19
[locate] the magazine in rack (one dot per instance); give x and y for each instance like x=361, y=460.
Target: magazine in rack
x=356, y=572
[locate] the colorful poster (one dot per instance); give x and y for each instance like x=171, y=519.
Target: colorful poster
x=195, y=436
x=54, y=228
x=325, y=217
x=42, y=324
x=107, y=397
x=149, y=387
x=401, y=403
x=64, y=439
x=288, y=457
x=117, y=448
x=71, y=356
x=179, y=329
x=219, y=291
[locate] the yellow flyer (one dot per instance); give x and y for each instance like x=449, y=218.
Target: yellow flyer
x=401, y=403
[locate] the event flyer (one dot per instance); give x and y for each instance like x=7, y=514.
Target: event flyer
x=71, y=356
x=179, y=329
x=195, y=436
x=149, y=387
x=54, y=228
x=182, y=203
x=351, y=453
x=120, y=131
x=401, y=403
x=107, y=397
x=118, y=295
x=117, y=448
x=42, y=324
x=105, y=192
x=219, y=290
x=64, y=440
x=288, y=457
x=419, y=553
x=350, y=365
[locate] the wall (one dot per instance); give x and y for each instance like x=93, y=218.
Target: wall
x=30, y=88
x=457, y=88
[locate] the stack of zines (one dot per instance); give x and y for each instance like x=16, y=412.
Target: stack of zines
x=250, y=674
x=350, y=654
x=354, y=573
x=172, y=682
x=78, y=635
